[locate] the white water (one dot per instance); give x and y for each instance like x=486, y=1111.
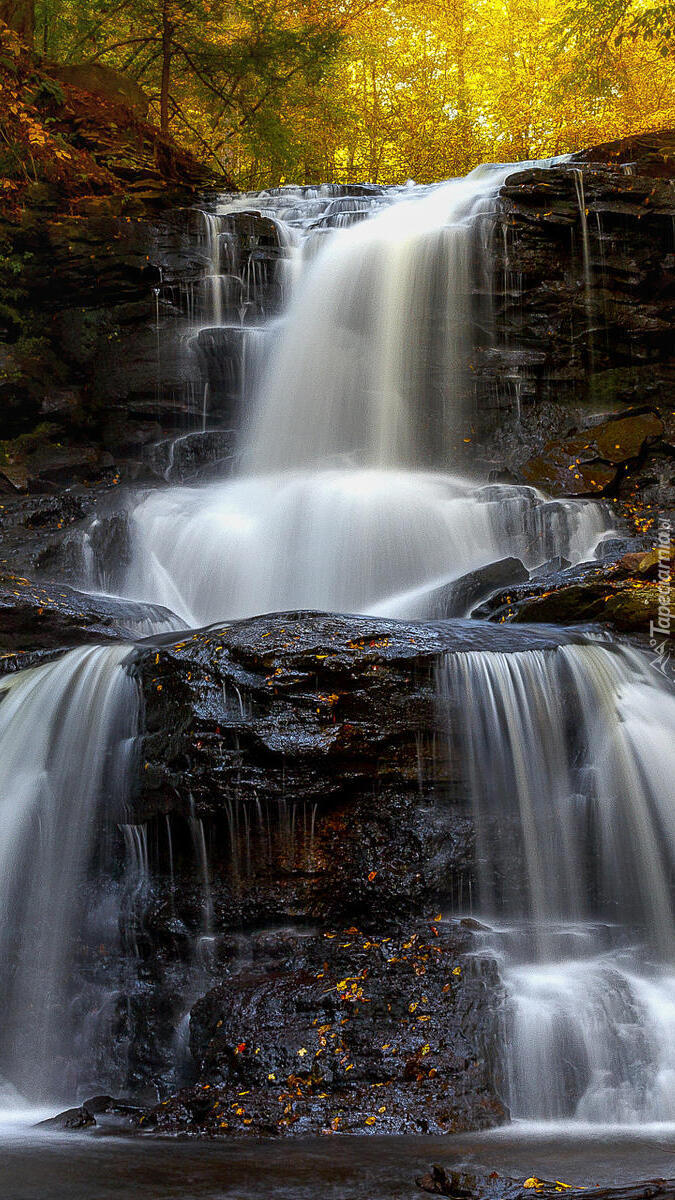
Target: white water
x=67, y=737
x=383, y=307
x=570, y=758
x=342, y=499
x=338, y=540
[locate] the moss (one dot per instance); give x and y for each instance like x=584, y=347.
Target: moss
x=25, y=444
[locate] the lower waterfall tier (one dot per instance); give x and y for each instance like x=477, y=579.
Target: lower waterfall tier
x=297, y=853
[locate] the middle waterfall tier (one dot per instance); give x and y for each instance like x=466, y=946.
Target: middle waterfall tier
x=381, y=542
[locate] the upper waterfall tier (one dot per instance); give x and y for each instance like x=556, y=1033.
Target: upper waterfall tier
x=342, y=497
x=372, y=355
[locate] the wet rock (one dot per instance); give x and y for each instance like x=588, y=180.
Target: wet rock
x=79, y=366
x=627, y=594
x=345, y=1031
x=251, y=248
x=460, y=596
x=304, y=744
x=35, y=462
x=227, y=359
x=559, y=563
x=71, y=1119
x=591, y=462
x=47, y=616
x=579, y=278
x=193, y=454
x=651, y=153
x=99, y=1110
x=468, y=1182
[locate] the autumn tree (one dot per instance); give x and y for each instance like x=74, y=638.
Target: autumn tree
x=20, y=16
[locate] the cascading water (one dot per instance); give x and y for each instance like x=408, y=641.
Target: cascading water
x=571, y=766
x=367, y=381
x=67, y=752
x=342, y=500
x=349, y=541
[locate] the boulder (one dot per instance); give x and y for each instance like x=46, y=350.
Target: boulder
x=39, y=617
x=459, y=597
x=629, y=595
x=591, y=461
x=70, y=1119
x=344, y=1031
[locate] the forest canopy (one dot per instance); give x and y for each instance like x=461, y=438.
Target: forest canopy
x=277, y=91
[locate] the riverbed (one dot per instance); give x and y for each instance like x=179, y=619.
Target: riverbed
x=36, y=1165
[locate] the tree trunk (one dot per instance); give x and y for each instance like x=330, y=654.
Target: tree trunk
x=167, y=53
x=20, y=16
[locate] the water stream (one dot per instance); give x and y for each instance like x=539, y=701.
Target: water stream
x=353, y=491
x=571, y=765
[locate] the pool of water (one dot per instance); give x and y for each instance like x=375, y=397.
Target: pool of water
x=36, y=1165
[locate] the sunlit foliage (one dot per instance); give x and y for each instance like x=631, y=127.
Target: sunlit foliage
x=382, y=90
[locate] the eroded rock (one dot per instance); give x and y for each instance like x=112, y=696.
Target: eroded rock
x=345, y=1031
x=626, y=595
x=52, y=617
x=592, y=461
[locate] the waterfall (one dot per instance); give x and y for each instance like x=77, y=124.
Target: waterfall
x=348, y=541
x=342, y=499
x=570, y=762
x=346, y=498
x=67, y=743
x=376, y=338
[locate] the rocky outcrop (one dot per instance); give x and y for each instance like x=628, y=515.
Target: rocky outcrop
x=54, y=617
x=307, y=840
x=79, y=372
x=345, y=1031
x=629, y=595
x=87, y=234
x=593, y=461
x=579, y=274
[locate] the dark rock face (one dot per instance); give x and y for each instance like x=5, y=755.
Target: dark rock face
x=303, y=738
x=625, y=595
x=318, y=839
x=344, y=1031
x=593, y=461
x=579, y=273
x=192, y=455
x=37, y=617
x=83, y=384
